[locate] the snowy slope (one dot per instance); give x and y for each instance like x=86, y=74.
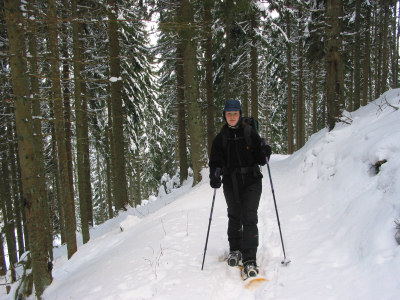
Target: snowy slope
x=337, y=217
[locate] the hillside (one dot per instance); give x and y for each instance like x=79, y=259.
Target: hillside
x=337, y=211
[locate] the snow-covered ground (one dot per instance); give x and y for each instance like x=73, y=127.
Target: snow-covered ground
x=336, y=212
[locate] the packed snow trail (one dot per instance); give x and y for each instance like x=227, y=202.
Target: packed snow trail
x=336, y=211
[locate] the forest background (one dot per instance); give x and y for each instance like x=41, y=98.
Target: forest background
x=104, y=103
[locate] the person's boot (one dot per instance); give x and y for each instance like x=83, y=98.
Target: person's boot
x=234, y=257
x=250, y=268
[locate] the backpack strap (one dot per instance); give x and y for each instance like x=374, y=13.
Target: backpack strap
x=247, y=136
x=224, y=134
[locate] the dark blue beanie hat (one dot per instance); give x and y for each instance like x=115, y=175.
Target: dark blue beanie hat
x=233, y=105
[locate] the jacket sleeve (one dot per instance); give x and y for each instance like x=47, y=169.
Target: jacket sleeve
x=216, y=155
x=258, y=154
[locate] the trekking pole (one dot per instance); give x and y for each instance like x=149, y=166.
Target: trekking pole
x=217, y=173
x=285, y=260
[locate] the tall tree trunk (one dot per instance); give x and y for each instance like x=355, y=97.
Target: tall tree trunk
x=102, y=201
x=367, y=53
x=266, y=110
x=314, y=96
x=56, y=179
x=119, y=179
x=81, y=124
x=350, y=89
x=290, y=136
x=109, y=157
x=138, y=189
x=394, y=52
x=385, y=50
x=207, y=4
x=69, y=206
x=334, y=63
x=245, y=100
x=396, y=80
x=228, y=22
x=378, y=46
x=108, y=150
x=28, y=161
x=300, y=113
x=37, y=126
x=254, y=64
x=187, y=35
x=66, y=96
x=180, y=94
x=357, y=54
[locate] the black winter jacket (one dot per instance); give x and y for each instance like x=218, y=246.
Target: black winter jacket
x=235, y=157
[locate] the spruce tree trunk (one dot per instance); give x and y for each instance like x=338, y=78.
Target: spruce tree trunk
x=357, y=54
x=290, y=136
x=119, y=179
x=254, y=65
x=396, y=79
x=68, y=201
x=187, y=35
x=228, y=21
x=81, y=125
x=394, y=52
x=108, y=150
x=183, y=159
x=66, y=96
x=102, y=199
x=138, y=186
x=37, y=126
x=314, y=97
x=245, y=100
x=350, y=89
x=207, y=4
x=300, y=112
x=385, y=51
x=56, y=178
x=378, y=46
x=28, y=161
x=367, y=54
x=334, y=63
x=266, y=111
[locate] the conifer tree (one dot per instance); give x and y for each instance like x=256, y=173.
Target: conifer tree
x=118, y=159
x=82, y=138
x=28, y=161
x=334, y=62
x=189, y=43
x=66, y=194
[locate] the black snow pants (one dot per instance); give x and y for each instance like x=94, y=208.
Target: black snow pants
x=243, y=218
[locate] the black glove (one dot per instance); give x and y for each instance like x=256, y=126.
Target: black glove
x=265, y=148
x=215, y=181
x=215, y=178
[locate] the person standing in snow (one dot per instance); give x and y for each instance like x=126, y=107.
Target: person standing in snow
x=238, y=151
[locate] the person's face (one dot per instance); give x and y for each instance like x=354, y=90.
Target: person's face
x=232, y=117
